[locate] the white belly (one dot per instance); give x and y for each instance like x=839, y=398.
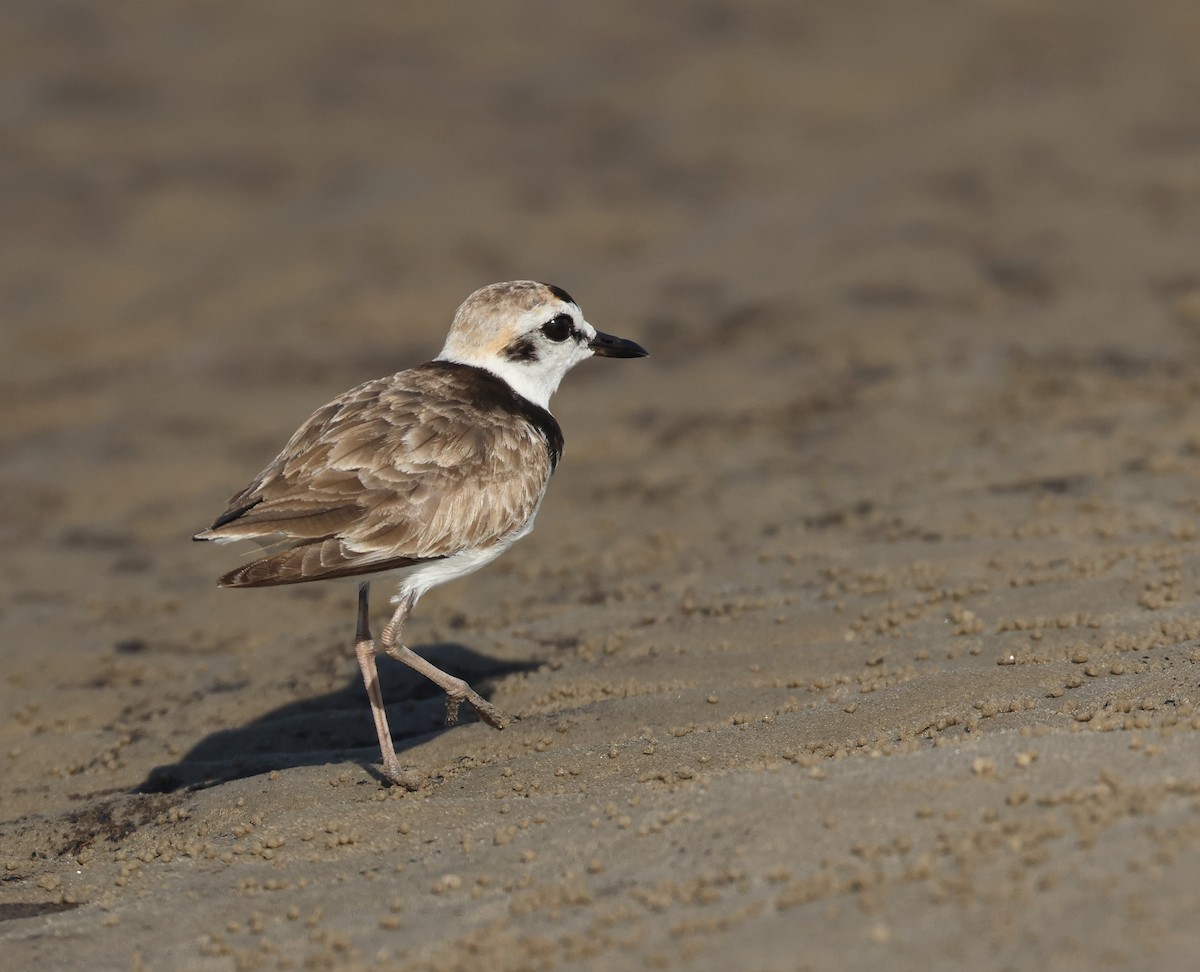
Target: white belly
x=416, y=580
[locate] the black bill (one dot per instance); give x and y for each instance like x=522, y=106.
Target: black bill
x=607, y=346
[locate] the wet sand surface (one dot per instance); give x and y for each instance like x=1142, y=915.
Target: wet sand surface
x=860, y=626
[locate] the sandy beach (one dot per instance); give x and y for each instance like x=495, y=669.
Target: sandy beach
x=860, y=629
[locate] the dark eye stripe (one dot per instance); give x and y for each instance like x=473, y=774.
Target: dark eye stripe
x=522, y=349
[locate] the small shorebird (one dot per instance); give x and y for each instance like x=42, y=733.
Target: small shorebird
x=423, y=476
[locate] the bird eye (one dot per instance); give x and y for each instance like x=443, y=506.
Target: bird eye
x=559, y=328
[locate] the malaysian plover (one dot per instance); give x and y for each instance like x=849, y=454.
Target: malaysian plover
x=423, y=476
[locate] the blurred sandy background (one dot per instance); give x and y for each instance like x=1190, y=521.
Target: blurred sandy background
x=858, y=630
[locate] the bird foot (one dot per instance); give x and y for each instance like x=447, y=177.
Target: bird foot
x=400, y=777
x=494, y=717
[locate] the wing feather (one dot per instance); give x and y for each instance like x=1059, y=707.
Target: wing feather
x=395, y=472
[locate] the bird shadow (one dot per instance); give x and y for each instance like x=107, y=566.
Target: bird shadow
x=334, y=727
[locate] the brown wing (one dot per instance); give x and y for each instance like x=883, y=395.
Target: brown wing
x=398, y=471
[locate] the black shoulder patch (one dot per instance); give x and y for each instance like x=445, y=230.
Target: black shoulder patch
x=493, y=392
x=560, y=293
x=522, y=349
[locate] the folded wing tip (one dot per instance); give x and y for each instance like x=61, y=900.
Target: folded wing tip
x=298, y=566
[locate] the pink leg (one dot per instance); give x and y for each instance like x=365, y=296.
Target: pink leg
x=457, y=691
x=364, y=647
